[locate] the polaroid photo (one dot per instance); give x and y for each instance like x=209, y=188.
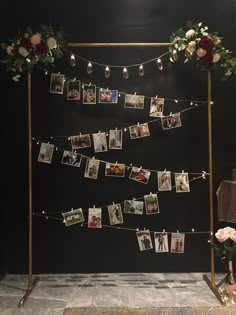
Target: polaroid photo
x=108, y=96
x=134, y=101
x=172, y=121
x=89, y=94
x=71, y=158
x=100, y=142
x=139, y=131
x=115, y=139
x=161, y=242
x=91, y=168
x=140, y=175
x=73, y=217
x=182, y=182
x=57, y=83
x=151, y=204
x=177, y=243
x=115, y=170
x=133, y=207
x=73, y=90
x=144, y=240
x=46, y=152
x=164, y=181
x=80, y=141
x=115, y=214
x=95, y=218
x=156, y=107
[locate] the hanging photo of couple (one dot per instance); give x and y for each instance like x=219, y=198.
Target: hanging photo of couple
x=91, y=168
x=170, y=122
x=115, y=214
x=115, y=170
x=95, y=218
x=71, y=158
x=89, y=94
x=139, y=175
x=164, y=181
x=100, y=142
x=139, y=131
x=134, y=101
x=151, y=204
x=156, y=107
x=46, y=152
x=177, y=243
x=161, y=242
x=108, y=96
x=57, y=83
x=182, y=182
x=80, y=141
x=144, y=240
x=73, y=90
x=115, y=139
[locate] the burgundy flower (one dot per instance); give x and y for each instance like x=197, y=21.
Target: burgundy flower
x=25, y=42
x=205, y=43
x=41, y=49
x=207, y=58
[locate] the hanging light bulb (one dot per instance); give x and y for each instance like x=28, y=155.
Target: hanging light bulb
x=72, y=61
x=174, y=55
x=89, y=68
x=125, y=73
x=159, y=64
x=141, y=71
x=107, y=72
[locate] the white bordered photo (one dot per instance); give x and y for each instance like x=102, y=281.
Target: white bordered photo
x=71, y=158
x=177, y=243
x=134, y=101
x=115, y=139
x=73, y=90
x=164, y=181
x=80, y=141
x=151, y=204
x=108, y=96
x=115, y=214
x=91, y=168
x=139, y=131
x=100, y=142
x=156, y=107
x=161, y=242
x=133, y=207
x=95, y=218
x=73, y=217
x=45, y=152
x=172, y=121
x=139, y=175
x=89, y=94
x=182, y=182
x=144, y=240
x=115, y=169
x=57, y=83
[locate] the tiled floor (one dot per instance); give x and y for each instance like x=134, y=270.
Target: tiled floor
x=142, y=293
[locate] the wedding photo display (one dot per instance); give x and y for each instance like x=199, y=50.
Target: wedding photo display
x=151, y=204
x=91, y=168
x=177, y=243
x=133, y=207
x=46, y=152
x=108, y=96
x=172, y=121
x=115, y=214
x=100, y=142
x=182, y=182
x=139, y=131
x=71, y=158
x=57, y=83
x=80, y=141
x=89, y=94
x=164, y=181
x=161, y=242
x=95, y=218
x=134, y=101
x=156, y=107
x=115, y=170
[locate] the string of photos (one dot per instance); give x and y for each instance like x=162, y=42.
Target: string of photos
x=144, y=239
x=91, y=92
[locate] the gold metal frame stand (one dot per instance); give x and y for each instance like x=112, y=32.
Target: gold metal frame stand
x=211, y=283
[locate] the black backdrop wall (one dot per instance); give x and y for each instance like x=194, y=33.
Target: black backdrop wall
x=58, y=188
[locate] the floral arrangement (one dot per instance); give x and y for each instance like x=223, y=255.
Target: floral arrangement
x=26, y=50
x=204, y=48
x=227, y=242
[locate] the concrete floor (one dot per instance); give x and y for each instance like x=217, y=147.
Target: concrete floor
x=90, y=294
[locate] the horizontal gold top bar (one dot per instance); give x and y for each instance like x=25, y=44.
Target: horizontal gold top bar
x=118, y=44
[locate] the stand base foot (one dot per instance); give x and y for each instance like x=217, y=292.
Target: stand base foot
x=214, y=289
x=27, y=293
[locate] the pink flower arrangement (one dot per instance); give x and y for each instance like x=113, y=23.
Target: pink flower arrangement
x=227, y=239
x=204, y=48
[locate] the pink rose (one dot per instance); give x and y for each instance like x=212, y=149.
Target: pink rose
x=229, y=230
x=201, y=52
x=35, y=39
x=190, y=34
x=217, y=41
x=233, y=236
x=221, y=235
x=192, y=44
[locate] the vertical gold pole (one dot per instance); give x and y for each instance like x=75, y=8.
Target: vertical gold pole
x=211, y=180
x=31, y=283
x=30, y=180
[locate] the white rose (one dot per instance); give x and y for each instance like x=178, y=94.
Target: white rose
x=23, y=52
x=51, y=43
x=216, y=57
